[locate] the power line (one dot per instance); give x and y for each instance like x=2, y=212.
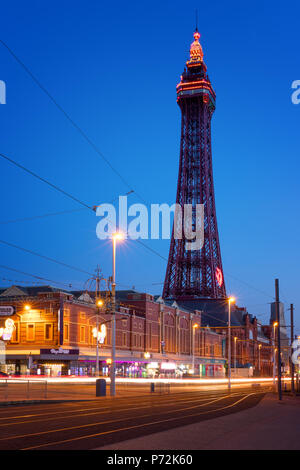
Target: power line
x=44, y=257
x=34, y=276
x=249, y=285
x=67, y=116
x=50, y=214
x=25, y=219
x=57, y=188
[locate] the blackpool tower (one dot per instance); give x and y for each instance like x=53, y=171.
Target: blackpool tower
x=196, y=274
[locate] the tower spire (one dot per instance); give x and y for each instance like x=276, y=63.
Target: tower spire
x=196, y=52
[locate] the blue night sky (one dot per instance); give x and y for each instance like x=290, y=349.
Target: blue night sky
x=113, y=67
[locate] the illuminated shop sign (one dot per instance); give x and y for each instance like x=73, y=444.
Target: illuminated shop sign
x=152, y=365
x=7, y=332
x=168, y=366
x=7, y=310
x=59, y=351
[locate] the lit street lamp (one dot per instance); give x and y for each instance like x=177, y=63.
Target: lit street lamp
x=230, y=300
x=115, y=237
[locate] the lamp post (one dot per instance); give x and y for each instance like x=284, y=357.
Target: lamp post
x=230, y=300
x=195, y=325
x=99, y=304
x=115, y=237
x=235, y=340
x=274, y=351
x=259, y=348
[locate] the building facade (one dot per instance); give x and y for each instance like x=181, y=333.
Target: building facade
x=53, y=334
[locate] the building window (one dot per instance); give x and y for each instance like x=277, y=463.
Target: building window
x=30, y=332
x=82, y=315
x=124, y=339
x=48, y=331
x=16, y=333
x=66, y=332
x=82, y=334
x=92, y=340
x=134, y=340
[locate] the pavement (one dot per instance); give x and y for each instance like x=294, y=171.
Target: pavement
x=270, y=425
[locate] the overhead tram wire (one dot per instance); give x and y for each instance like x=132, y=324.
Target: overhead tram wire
x=45, y=257
x=51, y=214
x=35, y=217
x=35, y=175
x=68, y=117
x=34, y=276
x=65, y=193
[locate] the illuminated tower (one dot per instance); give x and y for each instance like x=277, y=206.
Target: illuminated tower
x=198, y=273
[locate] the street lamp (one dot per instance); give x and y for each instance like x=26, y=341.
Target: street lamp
x=115, y=238
x=274, y=350
x=195, y=325
x=230, y=300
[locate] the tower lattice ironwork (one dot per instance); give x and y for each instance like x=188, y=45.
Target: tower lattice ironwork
x=194, y=274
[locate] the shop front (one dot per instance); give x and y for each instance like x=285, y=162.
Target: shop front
x=212, y=367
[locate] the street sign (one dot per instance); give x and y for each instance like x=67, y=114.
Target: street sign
x=7, y=310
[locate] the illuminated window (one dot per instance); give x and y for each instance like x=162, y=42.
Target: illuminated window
x=124, y=339
x=82, y=315
x=16, y=334
x=82, y=334
x=48, y=331
x=30, y=332
x=66, y=332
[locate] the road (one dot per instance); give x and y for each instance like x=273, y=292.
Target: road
x=95, y=423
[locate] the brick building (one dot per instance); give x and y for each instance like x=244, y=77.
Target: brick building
x=53, y=335
x=251, y=342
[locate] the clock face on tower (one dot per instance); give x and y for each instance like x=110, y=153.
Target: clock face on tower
x=219, y=276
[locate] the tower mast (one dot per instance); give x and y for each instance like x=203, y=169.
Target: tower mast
x=194, y=274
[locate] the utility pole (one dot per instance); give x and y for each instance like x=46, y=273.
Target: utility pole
x=292, y=340
x=97, y=319
x=278, y=338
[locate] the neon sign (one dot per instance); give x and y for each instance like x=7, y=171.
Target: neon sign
x=219, y=276
x=7, y=332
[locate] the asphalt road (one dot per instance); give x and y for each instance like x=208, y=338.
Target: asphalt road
x=95, y=423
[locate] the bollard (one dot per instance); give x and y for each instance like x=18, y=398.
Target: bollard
x=152, y=387
x=100, y=388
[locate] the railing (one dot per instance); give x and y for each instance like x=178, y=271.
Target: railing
x=22, y=389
